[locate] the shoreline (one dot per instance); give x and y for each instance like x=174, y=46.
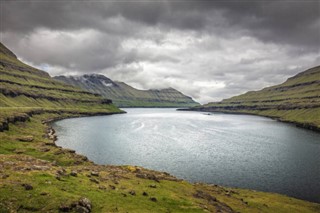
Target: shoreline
x=66, y=177
x=296, y=124
x=191, y=182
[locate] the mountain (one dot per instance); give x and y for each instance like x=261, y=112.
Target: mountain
x=36, y=175
x=24, y=89
x=124, y=95
x=297, y=100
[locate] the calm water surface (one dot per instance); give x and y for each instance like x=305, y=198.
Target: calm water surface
x=231, y=150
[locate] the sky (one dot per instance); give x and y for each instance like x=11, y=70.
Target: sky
x=209, y=50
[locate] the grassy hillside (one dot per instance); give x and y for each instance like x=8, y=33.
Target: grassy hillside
x=25, y=90
x=124, y=95
x=38, y=176
x=296, y=100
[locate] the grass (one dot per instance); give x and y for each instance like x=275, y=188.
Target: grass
x=297, y=100
x=32, y=163
x=38, y=176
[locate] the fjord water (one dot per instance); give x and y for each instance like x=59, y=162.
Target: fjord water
x=231, y=150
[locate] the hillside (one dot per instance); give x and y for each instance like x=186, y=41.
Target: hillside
x=36, y=175
x=296, y=100
x=124, y=95
x=25, y=90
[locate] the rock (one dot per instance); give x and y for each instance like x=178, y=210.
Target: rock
x=94, y=180
x=40, y=168
x=4, y=125
x=74, y=173
x=53, y=137
x=84, y=158
x=112, y=187
x=86, y=203
x=27, y=138
x=65, y=208
x=82, y=206
x=153, y=186
x=132, y=192
x=96, y=174
x=50, y=144
x=204, y=195
x=77, y=162
x=21, y=117
x=27, y=186
x=70, y=150
x=61, y=172
x=4, y=176
x=147, y=176
x=153, y=199
x=59, y=152
x=44, y=193
x=81, y=209
x=145, y=194
x=102, y=187
x=44, y=149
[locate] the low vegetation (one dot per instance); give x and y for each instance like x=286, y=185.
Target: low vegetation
x=297, y=100
x=38, y=176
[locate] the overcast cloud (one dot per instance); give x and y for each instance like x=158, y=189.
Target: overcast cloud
x=209, y=50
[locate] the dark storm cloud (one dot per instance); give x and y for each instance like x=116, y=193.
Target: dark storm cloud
x=207, y=49
x=290, y=22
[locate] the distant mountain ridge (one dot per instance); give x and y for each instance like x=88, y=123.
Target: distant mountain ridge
x=124, y=95
x=297, y=100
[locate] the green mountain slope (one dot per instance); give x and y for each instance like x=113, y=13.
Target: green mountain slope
x=296, y=100
x=38, y=176
x=124, y=95
x=25, y=90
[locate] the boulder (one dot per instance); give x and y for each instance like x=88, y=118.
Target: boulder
x=132, y=192
x=86, y=203
x=74, y=173
x=27, y=186
x=153, y=199
x=93, y=173
x=26, y=138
